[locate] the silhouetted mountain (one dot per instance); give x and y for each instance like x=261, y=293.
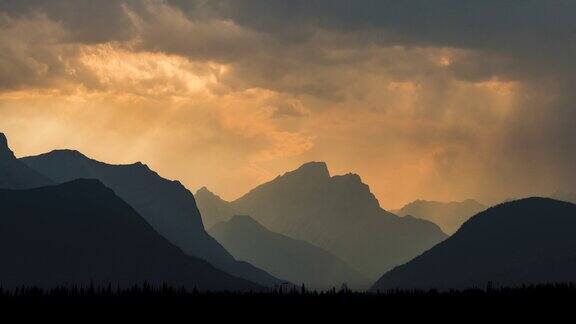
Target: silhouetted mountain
x=15, y=174
x=166, y=205
x=528, y=241
x=295, y=260
x=565, y=196
x=448, y=215
x=80, y=231
x=338, y=214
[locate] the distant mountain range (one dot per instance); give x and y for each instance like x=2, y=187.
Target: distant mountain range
x=338, y=214
x=68, y=219
x=297, y=261
x=448, y=215
x=528, y=241
x=80, y=232
x=166, y=205
x=16, y=175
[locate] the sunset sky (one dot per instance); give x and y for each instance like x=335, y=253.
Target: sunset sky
x=440, y=100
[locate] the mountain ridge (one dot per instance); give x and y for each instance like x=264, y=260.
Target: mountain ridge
x=165, y=204
x=15, y=174
x=80, y=232
x=298, y=261
x=337, y=213
x=448, y=215
x=527, y=241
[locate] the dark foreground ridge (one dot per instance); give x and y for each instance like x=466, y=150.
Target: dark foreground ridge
x=81, y=232
x=166, y=205
x=529, y=241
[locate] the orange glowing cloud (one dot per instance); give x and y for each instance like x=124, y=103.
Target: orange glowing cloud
x=219, y=99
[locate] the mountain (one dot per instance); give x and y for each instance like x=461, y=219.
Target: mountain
x=448, y=215
x=166, y=205
x=297, y=261
x=81, y=232
x=218, y=209
x=15, y=174
x=528, y=241
x=336, y=213
x=565, y=196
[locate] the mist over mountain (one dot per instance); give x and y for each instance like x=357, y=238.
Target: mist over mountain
x=337, y=213
x=81, y=232
x=448, y=215
x=528, y=241
x=14, y=174
x=166, y=205
x=297, y=261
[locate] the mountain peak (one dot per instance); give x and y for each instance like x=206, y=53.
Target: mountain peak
x=204, y=191
x=316, y=169
x=3, y=140
x=350, y=177
x=14, y=174
x=4, y=149
x=141, y=166
x=67, y=153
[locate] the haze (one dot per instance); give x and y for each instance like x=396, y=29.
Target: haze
x=439, y=100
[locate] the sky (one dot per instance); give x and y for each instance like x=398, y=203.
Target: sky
x=439, y=100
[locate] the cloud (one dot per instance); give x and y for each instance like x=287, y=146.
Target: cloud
x=289, y=108
x=87, y=21
x=28, y=54
x=464, y=98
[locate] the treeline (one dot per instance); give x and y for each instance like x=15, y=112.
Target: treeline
x=296, y=303
x=160, y=291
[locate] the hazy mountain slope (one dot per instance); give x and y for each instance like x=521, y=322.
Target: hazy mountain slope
x=167, y=205
x=81, y=231
x=338, y=214
x=14, y=174
x=295, y=260
x=526, y=241
x=218, y=209
x=448, y=215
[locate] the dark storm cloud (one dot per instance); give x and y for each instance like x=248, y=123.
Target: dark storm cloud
x=516, y=35
x=526, y=30
x=489, y=24
x=88, y=21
